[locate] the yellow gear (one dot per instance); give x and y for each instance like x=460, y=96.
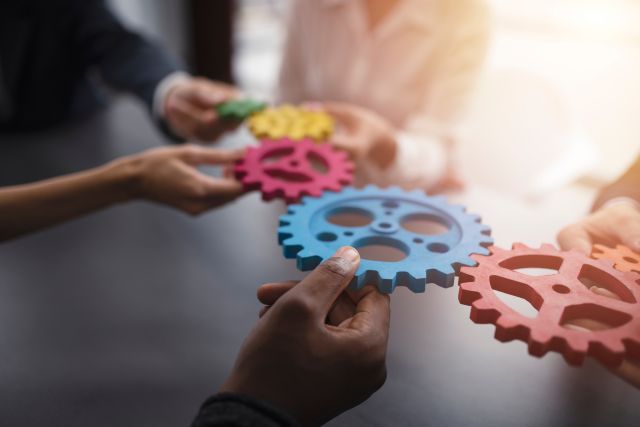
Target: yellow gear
x=292, y=122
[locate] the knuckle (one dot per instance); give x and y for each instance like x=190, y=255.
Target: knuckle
x=335, y=268
x=298, y=308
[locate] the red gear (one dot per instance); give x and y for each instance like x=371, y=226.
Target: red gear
x=292, y=175
x=624, y=259
x=559, y=298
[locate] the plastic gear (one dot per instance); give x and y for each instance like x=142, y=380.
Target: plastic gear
x=291, y=122
x=560, y=299
x=285, y=169
x=239, y=109
x=624, y=259
x=307, y=234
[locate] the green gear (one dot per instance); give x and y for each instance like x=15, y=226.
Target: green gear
x=239, y=109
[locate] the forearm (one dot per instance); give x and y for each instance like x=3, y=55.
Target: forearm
x=30, y=207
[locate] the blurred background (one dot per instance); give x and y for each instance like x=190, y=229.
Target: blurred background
x=561, y=75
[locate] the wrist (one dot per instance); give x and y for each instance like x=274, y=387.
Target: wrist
x=123, y=177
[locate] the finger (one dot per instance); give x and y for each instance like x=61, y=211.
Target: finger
x=187, y=117
x=320, y=289
x=577, y=237
x=207, y=94
x=340, y=111
x=263, y=311
x=629, y=234
x=373, y=311
x=197, y=155
x=269, y=293
x=343, y=309
x=222, y=188
x=630, y=372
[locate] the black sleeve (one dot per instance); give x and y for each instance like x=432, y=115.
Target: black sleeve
x=628, y=185
x=233, y=410
x=124, y=59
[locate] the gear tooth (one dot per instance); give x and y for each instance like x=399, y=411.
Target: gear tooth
x=467, y=262
x=539, y=342
x=481, y=250
x=615, y=347
x=548, y=247
x=520, y=247
x=444, y=279
x=438, y=199
x=307, y=263
x=290, y=250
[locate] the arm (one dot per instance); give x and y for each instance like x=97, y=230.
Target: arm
x=430, y=133
x=417, y=153
x=627, y=186
x=166, y=176
x=615, y=218
x=126, y=61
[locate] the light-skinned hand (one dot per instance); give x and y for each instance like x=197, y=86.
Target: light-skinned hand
x=317, y=351
x=170, y=176
x=363, y=133
x=190, y=109
x=614, y=224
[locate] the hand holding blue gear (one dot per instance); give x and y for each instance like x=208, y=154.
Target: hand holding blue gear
x=307, y=233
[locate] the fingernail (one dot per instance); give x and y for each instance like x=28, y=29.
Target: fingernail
x=348, y=253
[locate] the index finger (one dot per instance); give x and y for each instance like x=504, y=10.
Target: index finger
x=373, y=311
x=575, y=237
x=196, y=155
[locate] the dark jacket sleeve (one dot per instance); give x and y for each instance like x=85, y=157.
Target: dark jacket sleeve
x=628, y=185
x=124, y=59
x=233, y=410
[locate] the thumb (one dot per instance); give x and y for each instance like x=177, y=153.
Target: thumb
x=323, y=285
x=196, y=155
x=222, y=188
x=575, y=237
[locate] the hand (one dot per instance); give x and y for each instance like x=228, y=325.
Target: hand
x=614, y=224
x=169, y=176
x=363, y=133
x=190, y=109
x=296, y=361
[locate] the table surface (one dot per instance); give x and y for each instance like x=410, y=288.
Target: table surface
x=133, y=316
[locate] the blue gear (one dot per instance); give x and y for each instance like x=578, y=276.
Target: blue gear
x=307, y=235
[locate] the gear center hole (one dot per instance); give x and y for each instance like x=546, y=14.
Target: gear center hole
x=349, y=217
x=428, y=225
x=317, y=163
x=380, y=248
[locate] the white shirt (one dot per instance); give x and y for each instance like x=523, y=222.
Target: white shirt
x=415, y=68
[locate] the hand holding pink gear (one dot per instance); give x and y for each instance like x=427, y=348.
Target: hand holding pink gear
x=284, y=168
x=563, y=299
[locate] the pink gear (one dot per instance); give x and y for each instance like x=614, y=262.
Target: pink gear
x=284, y=168
x=562, y=299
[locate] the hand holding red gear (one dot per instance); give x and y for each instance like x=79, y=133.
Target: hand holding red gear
x=291, y=174
x=623, y=258
x=559, y=299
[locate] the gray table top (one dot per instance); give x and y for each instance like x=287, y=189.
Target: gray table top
x=133, y=316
